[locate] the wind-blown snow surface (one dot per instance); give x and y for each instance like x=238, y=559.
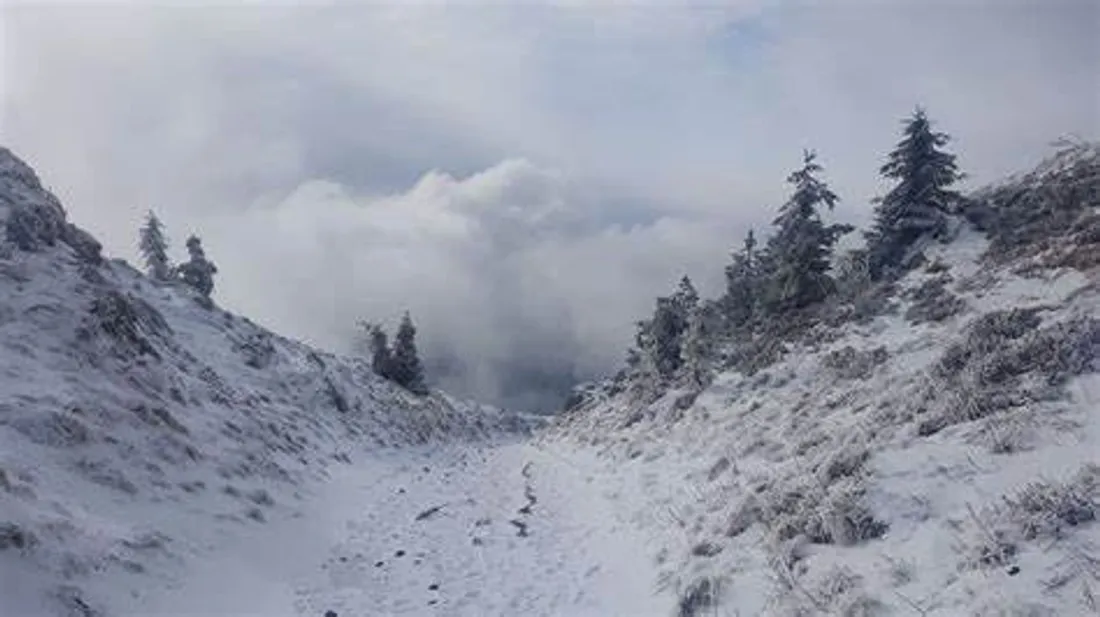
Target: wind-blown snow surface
x=802, y=490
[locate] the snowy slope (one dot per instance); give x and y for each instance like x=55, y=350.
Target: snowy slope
x=940, y=459
x=139, y=429
x=158, y=458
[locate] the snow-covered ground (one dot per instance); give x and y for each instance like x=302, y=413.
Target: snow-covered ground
x=490, y=530
x=893, y=490
x=159, y=457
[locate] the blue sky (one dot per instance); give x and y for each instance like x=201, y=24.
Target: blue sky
x=524, y=177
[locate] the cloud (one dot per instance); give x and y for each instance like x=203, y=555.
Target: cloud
x=585, y=152
x=509, y=272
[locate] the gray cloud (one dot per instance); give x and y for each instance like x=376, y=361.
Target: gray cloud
x=586, y=153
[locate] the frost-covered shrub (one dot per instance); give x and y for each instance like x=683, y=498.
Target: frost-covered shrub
x=1042, y=209
x=699, y=598
x=1006, y=362
x=756, y=353
x=127, y=320
x=1082, y=249
x=841, y=592
x=1042, y=510
x=1046, y=509
x=1008, y=434
x=824, y=514
x=932, y=302
x=258, y=350
x=32, y=227
x=83, y=244
x=850, y=363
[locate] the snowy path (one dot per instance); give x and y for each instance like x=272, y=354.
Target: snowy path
x=510, y=530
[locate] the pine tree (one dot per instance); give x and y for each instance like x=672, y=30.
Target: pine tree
x=697, y=347
x=378, y=346
x=798, y=258
x=666, y=331
x=920, y=201
x=740, y=301
x=686, y=298
x=154, y=248
x=198, y=272
x=405, y=367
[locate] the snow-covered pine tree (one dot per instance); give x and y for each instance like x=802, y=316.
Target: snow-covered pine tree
x=852, y=273
x=154, y=249
x=739, y=304
x=799, y=252
x=686, y=298
x=637, y=355
x=405, y=367
x=920, y=201
x=698, y=340
x=666, y=332
x=381, y=359
x=198, y=272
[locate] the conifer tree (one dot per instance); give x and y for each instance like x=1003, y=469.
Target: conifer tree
x=154, y=249
x=379, y=346
x=198, y=271
x=666, y=333
x=742, y=285
x=637, y=357
x=686, y=298
x=405, y=366
x=920, y=201
x=697, y=347
x=799, y=253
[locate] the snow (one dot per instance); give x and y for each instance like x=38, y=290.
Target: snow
x=158, y=458
x=429, y=531
x=140, y=430
x=939, y=495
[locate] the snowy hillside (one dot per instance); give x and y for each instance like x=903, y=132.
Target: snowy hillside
x=939, y=457
x=139, y=429
x=925, y=446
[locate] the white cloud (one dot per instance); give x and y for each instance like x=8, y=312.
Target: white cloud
x=503, y=263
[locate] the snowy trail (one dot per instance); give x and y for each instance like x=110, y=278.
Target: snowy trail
x=508, y=530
